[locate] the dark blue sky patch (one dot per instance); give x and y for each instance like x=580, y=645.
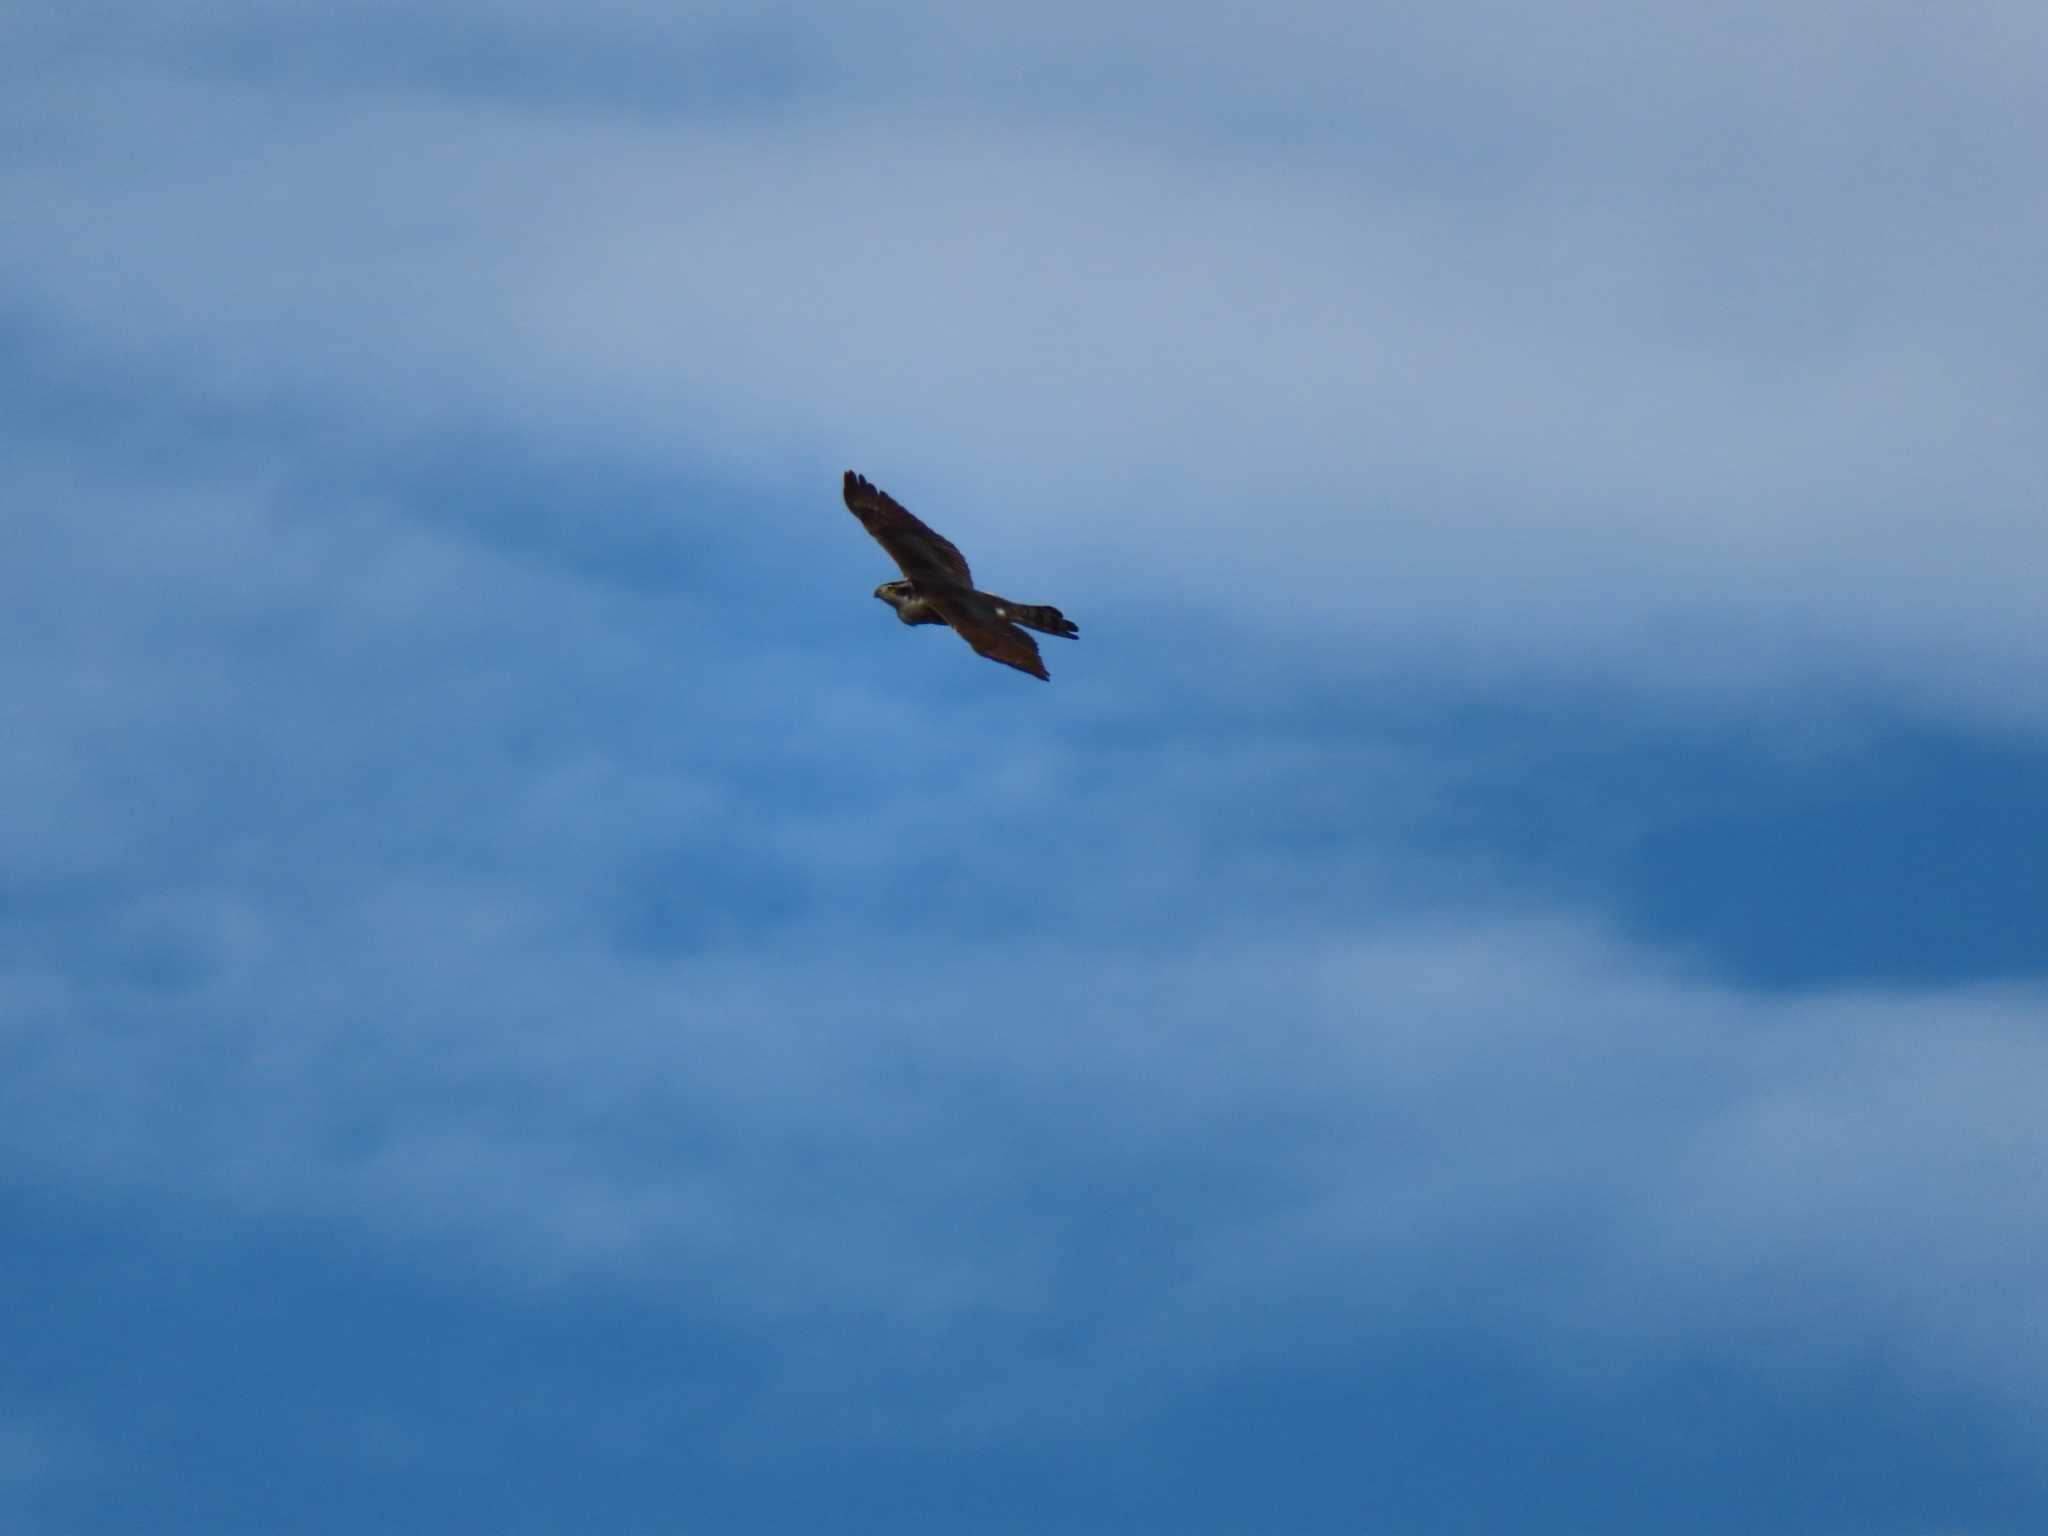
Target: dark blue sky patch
x=1906, y=855
x=1920, y=858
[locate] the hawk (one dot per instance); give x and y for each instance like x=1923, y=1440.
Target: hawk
x=937, y=588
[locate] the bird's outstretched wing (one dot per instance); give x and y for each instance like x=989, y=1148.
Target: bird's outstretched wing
x=993, y=637
x=917, y=551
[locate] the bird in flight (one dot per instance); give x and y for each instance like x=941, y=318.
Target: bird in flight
x=937, y=588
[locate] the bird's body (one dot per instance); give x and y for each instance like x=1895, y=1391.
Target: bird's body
x=910, y=608
x=938, y=588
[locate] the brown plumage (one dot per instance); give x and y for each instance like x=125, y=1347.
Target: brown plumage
x=937, y=587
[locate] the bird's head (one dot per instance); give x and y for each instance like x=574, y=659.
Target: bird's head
x=894, y=593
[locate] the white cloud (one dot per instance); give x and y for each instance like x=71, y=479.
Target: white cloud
x=1712, y=386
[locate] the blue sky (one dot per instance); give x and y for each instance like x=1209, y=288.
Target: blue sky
x=1503, y=985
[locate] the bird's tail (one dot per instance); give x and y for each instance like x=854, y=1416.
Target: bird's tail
x=1042, y=617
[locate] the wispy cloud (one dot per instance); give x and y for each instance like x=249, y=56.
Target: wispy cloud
x=1701, y=372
